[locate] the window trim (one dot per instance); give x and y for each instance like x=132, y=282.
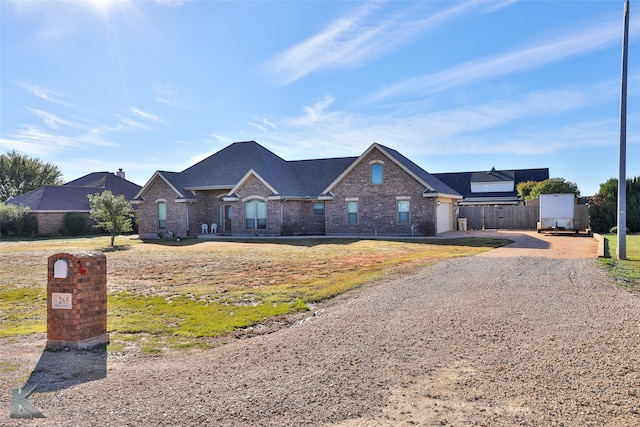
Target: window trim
x=258, y=222
x=159, y=221
x=406, y=212
x=374, y=175
x=316, y=210
x=352, y=202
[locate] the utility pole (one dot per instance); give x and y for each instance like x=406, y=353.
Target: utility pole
x=621, y=249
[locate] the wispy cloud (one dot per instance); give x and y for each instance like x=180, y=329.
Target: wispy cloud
x=357, y=39
x=469, y=129
x=169, y=95
x=130, y=123
x=145, y=115
x=33, y=140
x=42, y=93
x=52, y=120
x=497, y=5
x=170, y=3
x=590, y=39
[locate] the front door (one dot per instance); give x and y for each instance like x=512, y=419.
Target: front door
x=226, y=217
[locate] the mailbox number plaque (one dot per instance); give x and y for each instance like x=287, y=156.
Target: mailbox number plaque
x=61, y=300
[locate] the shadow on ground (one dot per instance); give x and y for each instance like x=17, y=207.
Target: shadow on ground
x=62, y=367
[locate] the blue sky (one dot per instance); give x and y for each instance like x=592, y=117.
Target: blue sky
x=98, y=85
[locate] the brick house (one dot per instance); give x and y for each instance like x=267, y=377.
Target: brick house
x=245, y=189
x=51, y=203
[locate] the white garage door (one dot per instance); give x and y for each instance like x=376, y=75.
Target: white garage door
x=444, y=217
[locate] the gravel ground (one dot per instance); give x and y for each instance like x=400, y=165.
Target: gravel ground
x=494, y=341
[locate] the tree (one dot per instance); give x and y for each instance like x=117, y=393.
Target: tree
x=554, y=186
x=20, y=174
x=603, y=207
x=524, y=189
x=111, y=213
x=15, y=220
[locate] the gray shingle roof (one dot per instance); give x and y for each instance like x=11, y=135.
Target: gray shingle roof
x=224, y=169
x=72, y=196
x=461, y=181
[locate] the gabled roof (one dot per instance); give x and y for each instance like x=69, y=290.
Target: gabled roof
x=433, y=185
x=72, y=196
x=461, y=181
x=230, y=166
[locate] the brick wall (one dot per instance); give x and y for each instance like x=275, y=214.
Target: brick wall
x=205, y=211
x=377, y=204
x=85, y=324
x=298, y=218
x=50, y=223
x=250, y=188
x=148, y=212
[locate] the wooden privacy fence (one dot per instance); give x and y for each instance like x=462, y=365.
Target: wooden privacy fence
x=513, y=217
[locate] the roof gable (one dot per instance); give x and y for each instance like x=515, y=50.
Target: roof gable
x=431, y=184
x=246, y=177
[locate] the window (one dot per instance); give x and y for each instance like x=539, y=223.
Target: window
x=403, y=211
x=352, y=212
x=255, y=215
x=318, y=208
x=162, y=215
x=376, y=173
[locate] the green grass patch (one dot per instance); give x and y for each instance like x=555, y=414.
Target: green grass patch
x=626, y=272
x=186, y=316
x=165, y=295
x=23, y=311
x=7, y=367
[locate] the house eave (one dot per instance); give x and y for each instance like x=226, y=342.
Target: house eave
x=432, y=194
x=209, y=187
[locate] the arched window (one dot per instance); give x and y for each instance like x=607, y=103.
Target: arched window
x=162, y=215
x=255, y=215
x=376, y=173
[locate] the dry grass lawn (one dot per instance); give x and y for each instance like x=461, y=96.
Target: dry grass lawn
x=169, y=294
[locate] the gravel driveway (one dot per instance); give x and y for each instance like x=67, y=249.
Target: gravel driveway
x=489, y=340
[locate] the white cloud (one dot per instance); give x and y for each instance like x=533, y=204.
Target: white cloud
x=169, y=95
x=35, y=141
x=52, y=120
x=130, y=123
x=358, y=38
x=147, y=116
x=170, y=3
x=42, y=93
x=592, y=38
x=471, y=129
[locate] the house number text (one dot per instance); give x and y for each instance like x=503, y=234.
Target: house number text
x=61, y=300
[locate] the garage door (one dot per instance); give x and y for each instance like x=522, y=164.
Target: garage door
x=444, y=217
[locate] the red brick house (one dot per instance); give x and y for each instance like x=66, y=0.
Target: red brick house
x=51, y=203
x=245, y=189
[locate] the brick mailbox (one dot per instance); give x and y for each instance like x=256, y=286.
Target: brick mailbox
x=77, y=300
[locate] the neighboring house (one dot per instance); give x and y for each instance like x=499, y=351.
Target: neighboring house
x=491, y=188
x=50, y=203
x=246, y=189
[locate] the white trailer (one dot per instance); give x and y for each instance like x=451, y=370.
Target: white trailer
x=557, y=212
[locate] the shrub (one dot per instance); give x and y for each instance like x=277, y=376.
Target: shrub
x=75, y=223
x=13, y=220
